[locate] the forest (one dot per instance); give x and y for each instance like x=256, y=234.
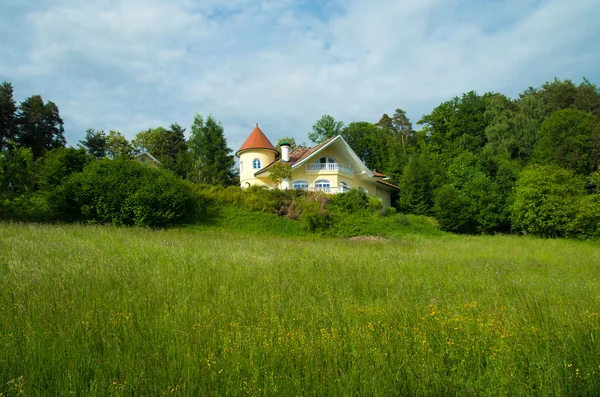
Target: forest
x=479, y=164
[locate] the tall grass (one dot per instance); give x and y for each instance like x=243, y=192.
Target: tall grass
x=118, y=311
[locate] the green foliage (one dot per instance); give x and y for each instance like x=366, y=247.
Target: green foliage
x=372, y=144
x=39, y=126
x=58, y=164
x=95, y=143
x=17, y=171
x=472, y=202
x=128, y=193
x=457, y=125
x=452, y=210
x=570, y=138
x=546, y=201
x=118, y=147
x=416, y=191
x=8, y=110
x=287, y=139
x=279, y=172
x=324, y=128
x=167, y=145
x=313, y=213
x=212, y=159
x=354, y=200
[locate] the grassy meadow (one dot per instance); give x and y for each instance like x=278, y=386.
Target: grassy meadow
x=101, y=311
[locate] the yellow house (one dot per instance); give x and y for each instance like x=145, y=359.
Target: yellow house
x=147, y=158
x=331, y=166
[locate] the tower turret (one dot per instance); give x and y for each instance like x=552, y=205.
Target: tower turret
x=256, y=153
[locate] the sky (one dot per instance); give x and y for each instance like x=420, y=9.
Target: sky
x=130, y=65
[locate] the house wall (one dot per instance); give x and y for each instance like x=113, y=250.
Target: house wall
x=266, y=157
x=336, y=177
x=147, y=160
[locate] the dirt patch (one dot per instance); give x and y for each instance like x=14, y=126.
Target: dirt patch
x=366, y=238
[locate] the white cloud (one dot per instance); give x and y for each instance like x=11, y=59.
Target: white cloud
x=133, y=64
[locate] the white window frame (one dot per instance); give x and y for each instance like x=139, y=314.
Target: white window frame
x=344, y=188
x=256, y=164
x=305, y=184
x=323, y=185
x=327, y=160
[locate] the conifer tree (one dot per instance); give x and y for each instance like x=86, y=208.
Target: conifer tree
x=211, y=157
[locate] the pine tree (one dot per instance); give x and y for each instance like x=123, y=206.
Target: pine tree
x=39, y=126
x=8, y=109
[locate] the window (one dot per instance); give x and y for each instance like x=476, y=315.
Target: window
x=362, y=189
x=241, y=166
x=323, y=185
x=143, y=159
x=344, y=187
x=300, y=185
x=327, y=160
x=256, y=164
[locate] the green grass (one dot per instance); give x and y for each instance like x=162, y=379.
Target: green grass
x=206, y=311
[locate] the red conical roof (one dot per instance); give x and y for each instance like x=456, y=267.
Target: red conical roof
x=256, y=140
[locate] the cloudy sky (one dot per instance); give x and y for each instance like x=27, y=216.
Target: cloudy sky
x=134, y=64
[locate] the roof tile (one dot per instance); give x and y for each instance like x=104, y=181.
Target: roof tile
x=256, y=140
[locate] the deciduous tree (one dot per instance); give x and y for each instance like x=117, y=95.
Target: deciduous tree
x=94, y=142
x=326, y=127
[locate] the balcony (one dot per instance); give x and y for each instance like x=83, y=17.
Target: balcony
x=328, y=168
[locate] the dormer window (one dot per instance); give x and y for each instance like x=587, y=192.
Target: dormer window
x=256, y=164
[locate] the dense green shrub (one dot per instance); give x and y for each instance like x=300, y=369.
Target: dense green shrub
x=453, y=211
x=58, y=164
x=128, y=193
x=26, y=208
x=352, y=201
x=313, y=213
x=546, y=201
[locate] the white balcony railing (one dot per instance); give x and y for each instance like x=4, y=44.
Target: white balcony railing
x=317, y=167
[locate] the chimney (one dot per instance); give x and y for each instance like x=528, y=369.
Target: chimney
x=285, y=151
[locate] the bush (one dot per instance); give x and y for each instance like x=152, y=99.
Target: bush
x=546, y=202
x=128, y=193
x=352, y=201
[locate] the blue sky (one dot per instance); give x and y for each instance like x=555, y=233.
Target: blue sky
x=129, y=65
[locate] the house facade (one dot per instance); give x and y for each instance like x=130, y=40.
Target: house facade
x=331, y=166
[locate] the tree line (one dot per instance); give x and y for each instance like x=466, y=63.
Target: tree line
x=488, y=163
x=480, y=163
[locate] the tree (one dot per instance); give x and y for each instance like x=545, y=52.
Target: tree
x=39, y=124
x=457, y=125
x=416, y=195
x=570, y=138
x=17, y=171
x=167, y=145
x=118, y=147
x=546, y=200
x=287, y=139
x=94, y=142
x=279, y=172
x=8, y=109
x=211, y=157
x=374, y=145
x=326, y=127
